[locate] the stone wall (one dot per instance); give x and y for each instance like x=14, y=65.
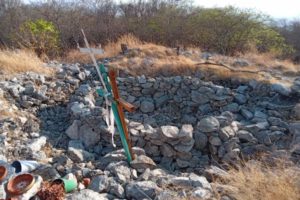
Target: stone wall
x=183, y=122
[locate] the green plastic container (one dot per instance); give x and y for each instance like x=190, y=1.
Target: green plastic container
x=69, y=184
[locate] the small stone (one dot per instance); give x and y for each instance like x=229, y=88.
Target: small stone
x=200, y=140
x=170, y=131
x=37, y=144
x=233, y=107
x=240, y=98
x=182, y=163
x=77, y=153
x=137, y=190
x=281, y=89
x=84, y=89
x=216, y=141
x=147, y=106
x=185, y=147
x=167, y=150
x=88, y=136
x=247, y=114
x=142, y=162
x=208, y=124
x=241, y=63
x=199, y=98
x=246, y=136
x=73, y=130
x=117, y=190
x=86, y=194
x=99, y=184
x=120, y=170
x=226, y=133
x=186, y=132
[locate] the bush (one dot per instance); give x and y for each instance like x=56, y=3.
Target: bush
x=41, y=36
x=231, y=30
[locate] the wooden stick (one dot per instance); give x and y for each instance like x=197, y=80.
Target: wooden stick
x=112, y=78
x=127, y=106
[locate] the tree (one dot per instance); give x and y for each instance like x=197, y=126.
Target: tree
x=41, y=36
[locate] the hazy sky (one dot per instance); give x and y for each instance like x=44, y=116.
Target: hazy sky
x=275, y=8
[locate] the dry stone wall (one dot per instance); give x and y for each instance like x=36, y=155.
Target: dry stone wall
x=183, y=122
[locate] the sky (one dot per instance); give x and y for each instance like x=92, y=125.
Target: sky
x=276, y=8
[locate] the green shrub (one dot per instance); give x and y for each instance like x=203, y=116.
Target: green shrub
x=41, y=36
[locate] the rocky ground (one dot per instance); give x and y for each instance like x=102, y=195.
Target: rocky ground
x=183, y=131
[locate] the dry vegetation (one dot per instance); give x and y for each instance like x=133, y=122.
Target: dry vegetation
x=111, y=49
x=152, y=59
x=13, y=62
x=260, y=181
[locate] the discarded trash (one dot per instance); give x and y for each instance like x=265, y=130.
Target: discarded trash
x=51, y=191
x=86, y=182
x=3, y=173
x=20, y=184
x=25, y=165
x=32, y=191
x=69, y=184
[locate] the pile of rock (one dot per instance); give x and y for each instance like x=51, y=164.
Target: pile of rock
x=182, y=125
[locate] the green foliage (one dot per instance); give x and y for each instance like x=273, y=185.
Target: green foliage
x=268, y=40
x=40, y=35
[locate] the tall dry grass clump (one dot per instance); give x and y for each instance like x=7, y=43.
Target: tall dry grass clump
x=12, y=62
x=259, y=181
x=114, y=48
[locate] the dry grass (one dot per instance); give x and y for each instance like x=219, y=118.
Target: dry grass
x=269, y=61
x=152, y=60
x=114, y=48
x=110, y=50
x=13, y=62
x=258, y=181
